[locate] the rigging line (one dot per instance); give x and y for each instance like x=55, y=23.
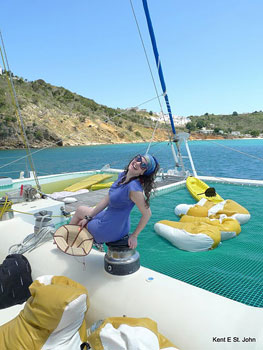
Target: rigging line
x=44, y=148
x=153, y=135
x=233, y=149
x=7, y=158
x=132, y=154
x=158, y=144
x=14, y=161
x=18, y=112
x=17, y=160
x=137, y=106
x=148, y=62
x=154, y=131
x=8, y=172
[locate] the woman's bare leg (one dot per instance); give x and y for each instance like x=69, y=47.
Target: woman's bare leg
x=80, y=214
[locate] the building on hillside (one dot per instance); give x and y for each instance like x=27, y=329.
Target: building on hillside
x=181, y=121
x=204, y=130
x=178, y=121
x=235, y=133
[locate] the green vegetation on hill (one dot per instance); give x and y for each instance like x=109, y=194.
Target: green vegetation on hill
x=245, y=123
x=55, y=115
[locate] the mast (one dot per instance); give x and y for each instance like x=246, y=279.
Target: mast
x=177, y=139
x=158, y=64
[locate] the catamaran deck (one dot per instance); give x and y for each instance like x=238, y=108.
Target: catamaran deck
x=93, y=197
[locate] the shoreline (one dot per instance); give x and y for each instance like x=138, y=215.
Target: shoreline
x=129, y=142
x=75, y=145
x=222, y=138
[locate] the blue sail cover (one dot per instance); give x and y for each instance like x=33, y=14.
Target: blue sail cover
x=158, y=63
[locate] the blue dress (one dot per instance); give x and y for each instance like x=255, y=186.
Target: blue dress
x=113, y=223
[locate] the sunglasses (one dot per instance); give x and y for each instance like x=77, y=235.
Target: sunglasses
x=139, y=159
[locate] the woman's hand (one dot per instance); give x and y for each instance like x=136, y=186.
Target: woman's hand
x=132, y=242
x=83, y=223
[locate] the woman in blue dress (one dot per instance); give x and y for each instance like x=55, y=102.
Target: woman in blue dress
x=109, y=221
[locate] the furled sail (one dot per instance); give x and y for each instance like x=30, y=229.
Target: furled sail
x=177, y=138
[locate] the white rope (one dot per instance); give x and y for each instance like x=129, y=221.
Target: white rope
x=32, y=241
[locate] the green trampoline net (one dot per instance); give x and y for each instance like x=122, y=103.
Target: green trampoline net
x=234, y=269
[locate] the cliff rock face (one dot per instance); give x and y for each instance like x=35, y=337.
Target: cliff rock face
x=54, y=116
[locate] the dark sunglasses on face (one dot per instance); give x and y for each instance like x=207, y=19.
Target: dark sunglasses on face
x=143, y=165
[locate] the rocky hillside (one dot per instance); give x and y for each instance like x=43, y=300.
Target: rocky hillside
x=55, y=116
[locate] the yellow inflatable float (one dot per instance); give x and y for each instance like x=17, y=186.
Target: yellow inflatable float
x=196, y=234
x=189, y=236
x=199, y=189
x=229, y=228
x=205, y=208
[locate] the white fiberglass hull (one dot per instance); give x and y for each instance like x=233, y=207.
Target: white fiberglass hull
x=190, y=317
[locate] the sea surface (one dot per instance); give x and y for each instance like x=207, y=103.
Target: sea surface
x=234, y=268
x=238, y=158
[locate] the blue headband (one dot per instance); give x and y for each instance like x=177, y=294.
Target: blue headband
x=151, y=164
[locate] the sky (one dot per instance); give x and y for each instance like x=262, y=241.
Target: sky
x=211, y=51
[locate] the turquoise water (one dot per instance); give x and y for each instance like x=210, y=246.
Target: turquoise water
x=233, y=270
x=210, y=158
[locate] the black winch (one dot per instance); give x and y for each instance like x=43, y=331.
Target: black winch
x=120, y=260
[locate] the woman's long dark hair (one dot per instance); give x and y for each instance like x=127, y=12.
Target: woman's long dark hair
x=147, y=181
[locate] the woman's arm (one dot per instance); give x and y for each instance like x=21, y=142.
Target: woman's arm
x=138, y=198
x=82, y=211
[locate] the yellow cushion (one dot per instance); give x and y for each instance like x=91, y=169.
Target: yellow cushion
x=58, y=304
x=94, y=338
